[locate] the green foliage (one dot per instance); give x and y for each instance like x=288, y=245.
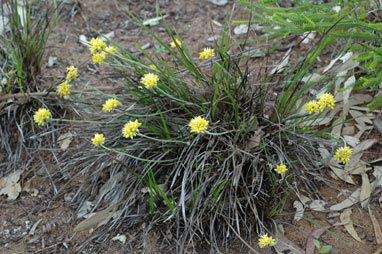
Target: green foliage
x=23, y=41
x=324, y=249
x=308, y=16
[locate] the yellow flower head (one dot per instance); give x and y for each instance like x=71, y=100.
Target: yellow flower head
x=207, y=53
x=98, y=58
x=130, y=129
x=173, y=44
x=281, y=168
x=98, y=139
x=326, y=100
x=41, y=115
x=343, y=154
x=265, y=240
x=110, y=50
x=198, y=124
x=63, y=89
x=311, y=107
x=96, y=44
x=72, y=72
x=150, y=80
x=109, y=105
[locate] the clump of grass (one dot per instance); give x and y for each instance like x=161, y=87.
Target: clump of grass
x=194, y=142
x=27, y=25
x=22, y=44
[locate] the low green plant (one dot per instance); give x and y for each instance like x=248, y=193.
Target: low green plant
x=324, y=249
x=333, y=21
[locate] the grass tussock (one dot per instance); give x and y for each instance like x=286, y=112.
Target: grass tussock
x=195, y=145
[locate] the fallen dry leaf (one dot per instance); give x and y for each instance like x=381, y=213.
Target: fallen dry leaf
x=358, y=152
x=377, y=249
x=9, y=185
x=28, y=186
x=255, y=139
x=121, y=238
x=351, y=200
x=378, y=176
x=283, y=245
x=64, y=140
x=283, y=63
x=377, y=228
x=299, y=210
x=97, y=219
x=345, y=218
x=318, y=205
x=342, y=174
x=365, y=190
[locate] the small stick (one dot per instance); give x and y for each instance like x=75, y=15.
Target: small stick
x=38, y=94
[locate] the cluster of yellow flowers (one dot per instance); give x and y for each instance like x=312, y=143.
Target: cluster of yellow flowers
x=41, y=115
x=63, y=89
x=150, y=80
x=207, y=53
x=176, y=42
x=130, y=129
x=110, y=104
x=325, y=100
x=343, y=154
x=198, y=125
x=265, y=240
x=98, y=139
x=100, y=50
x=281, y=168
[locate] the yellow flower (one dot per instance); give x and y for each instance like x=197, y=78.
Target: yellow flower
x=98, y=139
x=96, y=44
x=150, y=80
x=63, y=89
x=110, y=50
x=72, y=72
x=265, y=240
x=207, y=53
x=281, y=168
x=173, y=44
x=98, y=58
x=311, y=106
x=110, y=104
x=198, y=124
x=41, y=115
x=130, y=129
x=326, y=100
x=343, y=154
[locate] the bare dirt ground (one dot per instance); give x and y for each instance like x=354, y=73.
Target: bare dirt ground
x=44, y=223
